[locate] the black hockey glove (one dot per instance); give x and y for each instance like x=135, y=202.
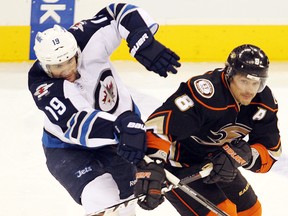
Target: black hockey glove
x=150, y=178
x=131, y=132
x=151, y=53
x=223, y=168
x=227, y=160
x=239, y=151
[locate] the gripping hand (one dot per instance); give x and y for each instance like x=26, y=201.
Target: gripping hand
x=239, y=151
x=227, y=160
x=153, y=55
x=130, y=130
x=150, y=178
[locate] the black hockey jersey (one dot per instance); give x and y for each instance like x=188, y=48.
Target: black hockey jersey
x=202, y=115
x=82, y=113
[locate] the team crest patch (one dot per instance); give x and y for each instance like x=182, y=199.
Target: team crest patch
x=79, y=25
x=106, y=94
x=204, y=87
x=42, y=90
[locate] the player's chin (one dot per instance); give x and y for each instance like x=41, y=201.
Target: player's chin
x=246, y=102
x=245, y=99
x=71, y=77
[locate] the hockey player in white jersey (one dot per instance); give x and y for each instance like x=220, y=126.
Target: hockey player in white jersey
x=93, y=134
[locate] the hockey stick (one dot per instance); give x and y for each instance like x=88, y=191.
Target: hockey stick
x=189, y=191
x=203, y=173
x=118, y=206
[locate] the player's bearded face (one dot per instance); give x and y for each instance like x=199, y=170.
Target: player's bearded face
x=243, y=89
x=66, y=70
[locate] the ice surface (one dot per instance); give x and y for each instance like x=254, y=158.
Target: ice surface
x=28, y=189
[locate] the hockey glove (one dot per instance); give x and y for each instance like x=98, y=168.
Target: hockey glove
x=227, y=160
x=255, y=163
x=131, y=133
x=150, y=178
x=151, y=53
x=223, y=169
x=239, y=151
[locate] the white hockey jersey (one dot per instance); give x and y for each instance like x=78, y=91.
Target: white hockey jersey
x=82, y=113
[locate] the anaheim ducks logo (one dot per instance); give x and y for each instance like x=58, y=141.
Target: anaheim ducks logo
x=204, y=87
x=226, y=134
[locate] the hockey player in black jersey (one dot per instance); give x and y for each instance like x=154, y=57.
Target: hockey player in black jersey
x=226, y=116
x=93, y=130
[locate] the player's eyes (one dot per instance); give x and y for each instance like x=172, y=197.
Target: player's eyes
x=256, y=84
x=244, y=81
x=59, y=66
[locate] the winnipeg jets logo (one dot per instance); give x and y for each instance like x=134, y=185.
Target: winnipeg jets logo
x=79, y=25
x=42, y=90
x=108, y=93
x=79, y=173
x=226, y=134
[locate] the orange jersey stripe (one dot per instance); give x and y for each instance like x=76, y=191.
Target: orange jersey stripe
x=157, y=143
x=184, y=203
x=277, y=146
x=178, y=154
x=224, y=80
x=264, y=105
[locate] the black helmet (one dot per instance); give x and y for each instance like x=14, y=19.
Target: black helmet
x=250, y=60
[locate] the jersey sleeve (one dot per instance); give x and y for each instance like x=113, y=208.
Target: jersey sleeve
x=130, y=17
x=176, y=119
x=265, y=138
x=70, y=117
x=109, y=26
